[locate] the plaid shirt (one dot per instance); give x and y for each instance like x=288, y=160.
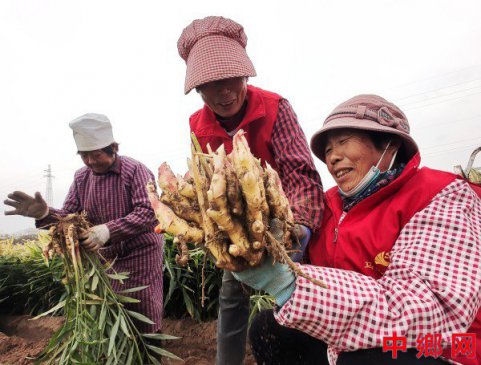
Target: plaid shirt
x=295, y=166
x=119, y=200
x=432, y=285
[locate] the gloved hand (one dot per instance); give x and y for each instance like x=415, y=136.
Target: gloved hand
x=302, y=234
x=95, y=237
x=26, y=205
x=276, y=279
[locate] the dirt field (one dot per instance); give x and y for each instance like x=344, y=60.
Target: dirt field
x=21, y=338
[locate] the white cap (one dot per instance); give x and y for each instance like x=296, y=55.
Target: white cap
x=92, y=132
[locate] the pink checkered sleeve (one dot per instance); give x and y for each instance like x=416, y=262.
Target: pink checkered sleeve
x=142, y=217
x=432, y=285
x=300, y=179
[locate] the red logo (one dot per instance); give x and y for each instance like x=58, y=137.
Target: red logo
x=394, y=344
x=463, y=345
x=429, y=345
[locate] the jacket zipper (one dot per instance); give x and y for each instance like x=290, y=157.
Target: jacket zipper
x=336, y=230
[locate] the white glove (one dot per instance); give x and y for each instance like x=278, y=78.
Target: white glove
x=26, y=205
x=95, y=237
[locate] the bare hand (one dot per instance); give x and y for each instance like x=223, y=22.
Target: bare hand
x=26, y=205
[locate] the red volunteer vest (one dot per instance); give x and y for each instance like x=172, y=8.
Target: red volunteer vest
x=362, y=242
x=258, y=122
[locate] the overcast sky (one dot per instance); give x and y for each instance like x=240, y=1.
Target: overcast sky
x=60, y=59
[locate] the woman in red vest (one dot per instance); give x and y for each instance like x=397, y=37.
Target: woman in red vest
x=399, y=248
x=218, y=67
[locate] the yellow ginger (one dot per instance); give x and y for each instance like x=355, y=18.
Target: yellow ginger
x=234, y=200
x=183, y=206
x=247, y=171
x=219, y=212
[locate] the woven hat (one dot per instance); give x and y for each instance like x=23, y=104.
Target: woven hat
x=214, y=49
x=368, y=113
x=92, y=132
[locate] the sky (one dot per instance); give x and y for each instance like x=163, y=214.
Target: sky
x=61, y=59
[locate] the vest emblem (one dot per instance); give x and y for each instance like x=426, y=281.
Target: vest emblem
x=383, y=258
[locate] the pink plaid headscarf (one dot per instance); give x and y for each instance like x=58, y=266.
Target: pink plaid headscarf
x=214, y=49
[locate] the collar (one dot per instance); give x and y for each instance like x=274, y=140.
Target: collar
x=409, y=171
x=115, y=168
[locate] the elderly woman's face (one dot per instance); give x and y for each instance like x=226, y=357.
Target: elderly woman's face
x=349, y=156
x=99, y=161
x=225, y=97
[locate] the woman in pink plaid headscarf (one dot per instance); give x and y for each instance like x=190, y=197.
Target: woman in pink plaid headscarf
x=399, y=248
x=218, y=68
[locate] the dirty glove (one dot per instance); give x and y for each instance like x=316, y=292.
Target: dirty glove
x=95, y=237
x=26, y=205
x=303, y=234
x=276, y=279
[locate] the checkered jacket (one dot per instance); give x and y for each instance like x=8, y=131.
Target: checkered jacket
x=432, y=284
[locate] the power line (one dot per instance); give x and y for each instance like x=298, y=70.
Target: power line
x=442, y=101
x=437, y=89
x=460, y=148
x=436, y=77
x=453, y=143
x=475, y=117
x=441, y=96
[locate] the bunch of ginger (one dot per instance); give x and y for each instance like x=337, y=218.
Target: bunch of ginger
x=225, y=203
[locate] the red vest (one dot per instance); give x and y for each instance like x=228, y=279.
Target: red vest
x=362, y=242
x=258, y=122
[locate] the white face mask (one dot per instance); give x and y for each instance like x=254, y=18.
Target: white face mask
x=371, y=175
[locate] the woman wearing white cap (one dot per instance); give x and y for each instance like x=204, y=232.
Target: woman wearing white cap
x=399, y=248
x=111, y=189
x=218, y=68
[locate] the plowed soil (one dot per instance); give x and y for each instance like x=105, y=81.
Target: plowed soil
x=21, y=339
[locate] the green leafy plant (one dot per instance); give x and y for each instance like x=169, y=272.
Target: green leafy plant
x=183, y=286
x=30, y=283
x=260, y=301
x=98, y=329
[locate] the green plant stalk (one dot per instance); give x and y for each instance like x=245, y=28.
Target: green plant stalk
x=97, y=328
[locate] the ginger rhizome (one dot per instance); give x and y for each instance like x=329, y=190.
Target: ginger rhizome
x=225, y=204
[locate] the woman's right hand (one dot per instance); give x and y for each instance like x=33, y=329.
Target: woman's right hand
x=26, y=205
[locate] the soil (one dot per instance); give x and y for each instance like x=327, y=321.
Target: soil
x=198, y=343
x=22, y=338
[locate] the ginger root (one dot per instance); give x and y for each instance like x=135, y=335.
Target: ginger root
x=225, y=204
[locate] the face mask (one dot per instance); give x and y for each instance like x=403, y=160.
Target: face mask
x=371, y=176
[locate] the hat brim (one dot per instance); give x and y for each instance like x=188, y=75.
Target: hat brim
x=215, y=58
x=93, y=147
x=410, y=147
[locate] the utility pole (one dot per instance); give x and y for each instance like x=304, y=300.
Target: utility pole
x=49, y=192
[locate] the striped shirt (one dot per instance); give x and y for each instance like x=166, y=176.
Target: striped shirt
x=119, y=200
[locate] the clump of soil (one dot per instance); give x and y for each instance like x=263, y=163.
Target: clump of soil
x=22, y=339
x=198, y=344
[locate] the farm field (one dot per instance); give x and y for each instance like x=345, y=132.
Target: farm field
x=29, y=287
x=21, y=337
